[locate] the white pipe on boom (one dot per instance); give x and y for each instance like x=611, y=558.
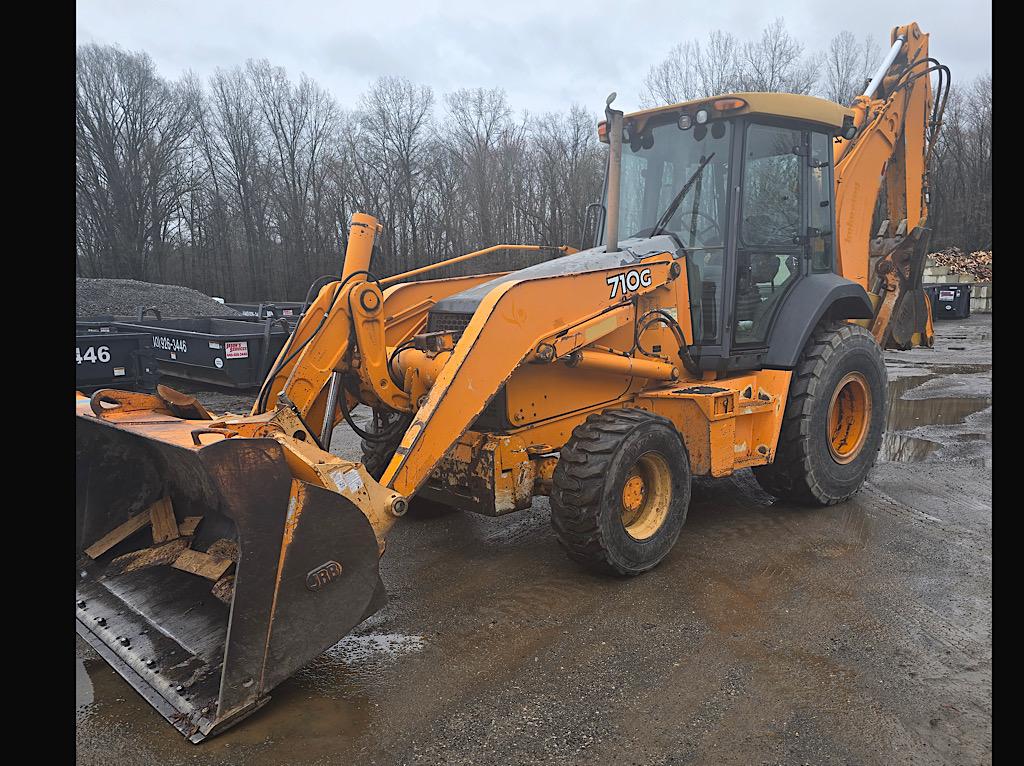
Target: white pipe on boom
x=884, y=67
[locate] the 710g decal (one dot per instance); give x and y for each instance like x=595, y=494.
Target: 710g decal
x=630, y=280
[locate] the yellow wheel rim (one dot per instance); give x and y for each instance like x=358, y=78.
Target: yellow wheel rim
x=646, y=495
x=849, y=417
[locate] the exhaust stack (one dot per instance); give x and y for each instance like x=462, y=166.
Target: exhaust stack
x=614, y=118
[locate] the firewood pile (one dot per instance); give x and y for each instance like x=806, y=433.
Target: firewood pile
x=978, y=264
x=172, y=546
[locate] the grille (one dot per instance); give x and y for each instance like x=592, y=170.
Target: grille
x=453, y=323
x=495, y=416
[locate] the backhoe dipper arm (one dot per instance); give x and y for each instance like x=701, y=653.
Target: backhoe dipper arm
x=897, y=124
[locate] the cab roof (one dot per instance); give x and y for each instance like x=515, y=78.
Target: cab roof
x=791, y=105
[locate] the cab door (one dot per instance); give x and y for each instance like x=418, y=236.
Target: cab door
x=771, y=238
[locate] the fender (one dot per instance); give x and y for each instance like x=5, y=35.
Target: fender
x=814, y=297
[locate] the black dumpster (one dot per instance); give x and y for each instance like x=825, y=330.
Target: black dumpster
x=108, y=356
x=224, y=352
x=290, y=310
x=950, y=301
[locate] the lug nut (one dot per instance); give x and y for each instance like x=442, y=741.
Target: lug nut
x=150, y=663
x=81, y=604
x=178, y=688
x=126, y=642
x=101, y=621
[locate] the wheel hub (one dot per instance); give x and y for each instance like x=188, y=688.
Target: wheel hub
x=646, y=496
x=849, y=417
x=633, y=494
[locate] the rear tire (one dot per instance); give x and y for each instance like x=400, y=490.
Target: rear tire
x=621, y=490
x=834, y=420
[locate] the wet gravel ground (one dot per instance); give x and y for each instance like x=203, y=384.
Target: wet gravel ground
x=859, y=634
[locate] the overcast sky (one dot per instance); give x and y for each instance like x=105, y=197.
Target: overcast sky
x=546, y=55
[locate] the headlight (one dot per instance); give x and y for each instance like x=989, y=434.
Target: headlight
x=702, y=116
x=685, y=121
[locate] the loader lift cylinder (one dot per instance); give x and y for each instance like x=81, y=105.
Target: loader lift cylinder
x=333, y=391
x=360, y=244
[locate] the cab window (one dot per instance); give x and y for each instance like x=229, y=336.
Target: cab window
x=768, y=254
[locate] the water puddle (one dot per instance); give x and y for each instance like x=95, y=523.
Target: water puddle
x=900, y=448
x=909, y=408
x=358, y=660
x=83, y=686
x=374, y=647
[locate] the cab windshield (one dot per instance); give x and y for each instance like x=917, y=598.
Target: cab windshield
x=657, y=163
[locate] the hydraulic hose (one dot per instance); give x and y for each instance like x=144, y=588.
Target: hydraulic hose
x=288, y=357
x=662, y=316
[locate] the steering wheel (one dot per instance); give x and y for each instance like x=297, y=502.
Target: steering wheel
x=699, y=233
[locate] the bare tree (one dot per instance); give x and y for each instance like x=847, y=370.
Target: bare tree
x=301, y=119
x=775, y=63
x=395, y=118
x=245, y=187
x=694, y=69
x=131, y=130
x=848, y=66
x=961, y=170
x=236, y=149
x=720, y=63
x=478, y=118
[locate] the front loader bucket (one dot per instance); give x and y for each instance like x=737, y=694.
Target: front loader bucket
x=306, y=570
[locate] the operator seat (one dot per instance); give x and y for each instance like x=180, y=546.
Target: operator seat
x=763, y=269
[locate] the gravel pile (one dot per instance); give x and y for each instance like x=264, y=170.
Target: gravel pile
x=123, y=297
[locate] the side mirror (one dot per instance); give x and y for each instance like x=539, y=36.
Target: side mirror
x=849, y=130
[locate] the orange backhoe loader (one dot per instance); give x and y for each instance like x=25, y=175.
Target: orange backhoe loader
x=733, y=315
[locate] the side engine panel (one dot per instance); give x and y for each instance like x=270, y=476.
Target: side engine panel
x=536, y=393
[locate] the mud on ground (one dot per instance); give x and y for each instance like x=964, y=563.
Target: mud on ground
x=770, y=635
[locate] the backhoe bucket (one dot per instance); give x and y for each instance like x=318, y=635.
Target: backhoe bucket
x=305, y=573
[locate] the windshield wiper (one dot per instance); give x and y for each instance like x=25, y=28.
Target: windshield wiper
x=659, y=227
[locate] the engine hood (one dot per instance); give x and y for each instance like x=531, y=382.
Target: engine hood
x=631, y=251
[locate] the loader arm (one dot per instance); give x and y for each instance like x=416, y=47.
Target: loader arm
x=897, y=123
x=303, y=377
x=505, y=330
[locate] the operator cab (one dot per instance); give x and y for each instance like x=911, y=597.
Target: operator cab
x=743, y=184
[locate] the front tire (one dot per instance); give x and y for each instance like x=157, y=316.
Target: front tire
x=834, y=420
x=621, y=491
